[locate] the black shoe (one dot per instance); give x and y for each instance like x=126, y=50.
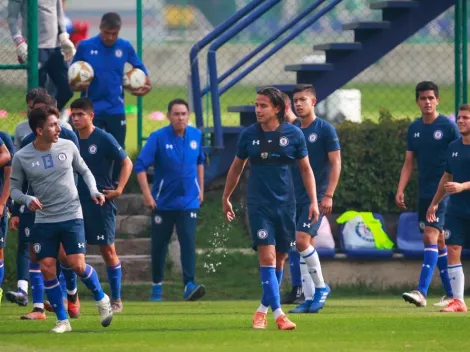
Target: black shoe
x=293, y=295
x=300, y=299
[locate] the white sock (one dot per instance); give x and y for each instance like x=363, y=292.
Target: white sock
x=457, y=280
x=23, y=285
x=262, y=309
x=38, y=305
x=71, y=293
x=307, y=282
x=310, y=256
x=277, y=313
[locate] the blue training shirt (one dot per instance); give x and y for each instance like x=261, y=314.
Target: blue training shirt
x=101, y=152
x=5, y=139
x=175, y=160
x=321, y=138
x=429, y=143
x=458, y=161
x=270, y=183
x=105, y=91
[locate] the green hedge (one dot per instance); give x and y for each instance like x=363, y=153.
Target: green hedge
x=372, y=158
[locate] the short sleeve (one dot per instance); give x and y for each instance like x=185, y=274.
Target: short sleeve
x=242, y=150
x=331, y=139
x=301, y=147
x=448, y=162
x=114, y=150
x=409, y=139
x=455, y=133
x=11, y=148
x=201, y=158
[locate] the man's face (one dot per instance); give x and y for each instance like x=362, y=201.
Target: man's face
x=51, y=130
x=109, y=35
x=81, y=119
x=463, y=122
x=179, y=117
x=304, y=103
x=265, y=109
x=427, y=102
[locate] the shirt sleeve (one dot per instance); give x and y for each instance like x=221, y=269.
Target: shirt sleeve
x=301, y=147
x=331, y=140
x=455, y=131
x=242, y=150
x=147, y=154
x=134, y=60
x=11, y=148
x=79, y=55
x=17, y=179
x=1, y=142
x=61, y=17
x=409, y=140
x=201, y=157
x=114, y=150
x=14, y=11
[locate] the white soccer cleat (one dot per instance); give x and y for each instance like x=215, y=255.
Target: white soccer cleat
x=105, y=310
x=62, y=326
x=415, y=297
x=443, y=302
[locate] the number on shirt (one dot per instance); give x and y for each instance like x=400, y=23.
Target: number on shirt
x=47, y=161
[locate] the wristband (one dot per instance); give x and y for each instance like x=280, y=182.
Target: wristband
x=328, y=196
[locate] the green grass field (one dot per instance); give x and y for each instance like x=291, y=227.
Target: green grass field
x=344, y=325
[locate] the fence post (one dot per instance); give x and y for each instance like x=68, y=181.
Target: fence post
x=464, y=52
x=33, y=55
x=139, y=53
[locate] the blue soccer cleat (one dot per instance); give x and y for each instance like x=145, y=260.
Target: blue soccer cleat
x=156, y=295
x=193, y=292
x=19, y=297
x=319, y=299
x=302, y=308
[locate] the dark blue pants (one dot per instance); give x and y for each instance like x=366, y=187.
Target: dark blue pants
x=163, y=223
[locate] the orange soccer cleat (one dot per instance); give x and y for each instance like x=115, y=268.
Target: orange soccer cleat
x=283, y=323
x=455, y=306
x=260, y=321
x=73, y=308
x=34, y=315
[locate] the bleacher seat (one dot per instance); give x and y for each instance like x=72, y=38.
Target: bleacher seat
x=409, y=236
x=324, y=242
x=364, y=253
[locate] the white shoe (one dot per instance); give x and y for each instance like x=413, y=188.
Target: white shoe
x=415, y=297
x=443, y=302
x=62, y=326
x=105, y=310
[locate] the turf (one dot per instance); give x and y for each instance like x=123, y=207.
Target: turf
x=344, y=325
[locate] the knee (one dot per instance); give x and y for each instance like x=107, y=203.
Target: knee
x=431, y=235
x=108, y=253
x=302, y=241
x=280, y=260
x=48, y=268
x=78, y=265
x=267, y=256
x=453, y=254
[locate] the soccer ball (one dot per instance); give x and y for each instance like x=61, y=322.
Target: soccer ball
x=134, y=79
x=80, y=72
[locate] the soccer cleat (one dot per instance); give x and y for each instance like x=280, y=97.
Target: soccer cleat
x=62, y=326
x=300, y=299
x=19, y=297
x=36, y=314
x=415, y=297
x=260, y=321
x=455, y=306
x=295, y=294
x=283, y=323
x=73, y=309
x=302, y=308
x=116, y=305
x=156, y=295
x=105, y=310
x=319, y=299
x=193, y=292
x=443, y=302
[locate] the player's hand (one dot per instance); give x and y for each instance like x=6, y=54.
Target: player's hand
x=313, y=212
x=142, y=90
x=431, y=213
x=454, y=187
x=34, y=205
x=149, y=202
x=21, y=49
x=400, y=200
x=14, y=222
x=228, y=210
x=2, y=209
x=66, y=47
x=80, y=86
x=326, y=205
x=98, y=198
x=112, y=193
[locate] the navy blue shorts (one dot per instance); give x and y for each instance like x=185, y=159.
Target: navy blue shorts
x=3, y=228
x=457, y=230
x=423, y=205
x=49, y=236
x=25, y=229
x=303, y=223
x=100, y=222
x=113, y=124
x=272, y=226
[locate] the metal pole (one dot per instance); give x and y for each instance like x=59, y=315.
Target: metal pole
x=139, y=53
x=464, y=52
x=33, y=55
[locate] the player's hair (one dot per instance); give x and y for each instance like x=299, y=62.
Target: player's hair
x=287, y=99
x=83, y=104
x=34, y=93
x=426, y=85
x=111, y=20
x=464, y=107
x=305, y=88
x=177, y=101
x=46, y=99
x=38, y=117
x=276, y=98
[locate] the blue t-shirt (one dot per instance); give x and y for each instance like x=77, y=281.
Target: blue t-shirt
x=5, y=139
x=270, y=180
x=458, y=161
x=175, y=160
x=321, y=138
x=101, y=152
x=105, y=90
x=429, y=143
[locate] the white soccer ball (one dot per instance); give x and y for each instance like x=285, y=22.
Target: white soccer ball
x=80, y=72
x=134, y=79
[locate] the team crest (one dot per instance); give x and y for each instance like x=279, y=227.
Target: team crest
x=283, y=141
x=37, y=247
x=92, y=149
x=264, y=155
x=62, y=156
x=312, y=138
x=118, y=53
x=193, y=145
x=364, y=232
x=438, y=134
x=446, y=234
x=262, y=234
x=157, y=219
x=27, y=232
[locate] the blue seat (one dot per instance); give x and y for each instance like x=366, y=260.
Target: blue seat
x=363, y=253
x=409, y=236
x=326, y=252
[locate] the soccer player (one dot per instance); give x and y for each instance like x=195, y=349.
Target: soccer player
x=176, y=153
x=101, y=151
x=456, y=182
x=48, y=164
x=55, y=47
x=325, y=160
x=427, y=140
x=272, y=145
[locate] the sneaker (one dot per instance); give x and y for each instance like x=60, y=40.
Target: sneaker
x=302, y=308
x=193, y=292
x=283, y=323
x=415, y=297
x=156, y=295
x=293, y=295
x=105, y=310
x=319, y=299
x=455, y=306
x=36, y=314
x=116, y=305
x=444, y=301
x=19, y=297
x=73, y=308
x=260, y=321
x=62, y=326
